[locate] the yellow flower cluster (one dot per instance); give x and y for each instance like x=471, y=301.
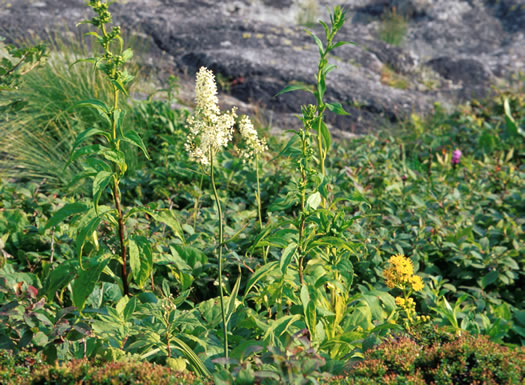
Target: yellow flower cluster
x=400, y=274
x=409, y=307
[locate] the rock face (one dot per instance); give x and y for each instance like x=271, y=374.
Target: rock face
x=451, y=50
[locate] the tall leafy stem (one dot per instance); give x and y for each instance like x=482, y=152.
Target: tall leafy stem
x=106, y=163
x=324, y=139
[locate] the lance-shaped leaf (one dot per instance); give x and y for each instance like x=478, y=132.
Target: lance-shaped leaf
x=100, y=183
x=296, y=87
x=66, y=211
x=134, y=138
x=337, y=108
x=286, y=256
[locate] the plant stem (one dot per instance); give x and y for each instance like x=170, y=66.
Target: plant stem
x=116, y=196
x=258, y=191
x=219, y=209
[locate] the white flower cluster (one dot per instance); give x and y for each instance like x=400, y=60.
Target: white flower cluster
x=254, y=145
x=210, y=130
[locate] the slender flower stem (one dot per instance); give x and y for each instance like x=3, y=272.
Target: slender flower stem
x=259, y=209
x=219, y=209
x=258, y=191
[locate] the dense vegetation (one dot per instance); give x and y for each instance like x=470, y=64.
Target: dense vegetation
x=131, y=231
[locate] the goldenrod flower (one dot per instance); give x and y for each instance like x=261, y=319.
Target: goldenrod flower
x=400, y=274
x=416, y=282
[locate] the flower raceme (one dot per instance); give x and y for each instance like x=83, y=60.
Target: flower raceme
x=254, y=145
x=209, y=129
x=400, y=274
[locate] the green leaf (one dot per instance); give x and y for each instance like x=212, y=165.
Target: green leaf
x=314, y=200
x=85, y=282
x=167, y=217
x=134, y=138
x=120, y=87
x=318, y=42
x=296, y=87
x=140, y=259
x=127, y=54
x=512, y=126
x=60, y=277
x=337, y=108
x=93, y=103
x=286, y=257
x=100, y=183
x=489, y=279
x=116, y=157
x=341, y=43
x=89, y=133
x=230, y=304
x=260, y=274
x=66, y=211
x=327, y=137
x=83, y=233
x=134, y=258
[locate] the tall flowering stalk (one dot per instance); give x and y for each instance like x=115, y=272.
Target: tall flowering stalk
x=210, y=131
x=253, y=149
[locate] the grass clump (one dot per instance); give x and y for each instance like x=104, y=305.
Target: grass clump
x=393, y=27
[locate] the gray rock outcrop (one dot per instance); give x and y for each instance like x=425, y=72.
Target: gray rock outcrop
x=451, y=50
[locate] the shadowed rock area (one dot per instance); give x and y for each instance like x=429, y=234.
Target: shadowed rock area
x=452, y=50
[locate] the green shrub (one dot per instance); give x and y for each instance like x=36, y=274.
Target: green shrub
x=438, y=357
x=26, y=369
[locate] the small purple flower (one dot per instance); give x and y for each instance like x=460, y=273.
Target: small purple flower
x=456, y=156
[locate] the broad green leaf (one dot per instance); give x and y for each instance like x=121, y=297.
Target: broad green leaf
x=141, y=259
x=66, y=211
x=296, y=87
x=286, y=257
x=85, y=282
x=167, y=217
x=116, y=157
x=127, y=54
x=134, y=258
x=134, y=138
x=314, y=200
x=489, y=279
x=60, y=277
x=279, y=326
x=336, y=108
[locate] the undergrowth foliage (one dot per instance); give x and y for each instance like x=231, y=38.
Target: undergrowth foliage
x=193, y=243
